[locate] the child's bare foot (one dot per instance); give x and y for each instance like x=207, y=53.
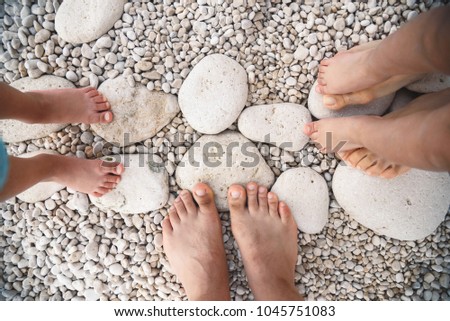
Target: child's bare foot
x=82, y=105
x=266, y=234
x=95, y=177
x=337, y=134
x=372, y=164
x=192, y=238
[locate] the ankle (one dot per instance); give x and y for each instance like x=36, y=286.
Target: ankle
x=281, y=289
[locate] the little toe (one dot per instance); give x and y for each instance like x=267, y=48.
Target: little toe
x=285, y=212
x=166, y=226
x=321, y=81
x=252, y=199
x=101, y=191
x=188, y=202
x=179, y=206
x=236, y=199
x=204, y=196
x=273, y=204
x=262, y=198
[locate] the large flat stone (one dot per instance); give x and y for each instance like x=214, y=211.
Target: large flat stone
x=144, y=186
x=14, y=131
x=408, y=207
x=138, y=112
x=306, y=194
x=220, y=161
x=79, y=21
x=214, y=94
x=280, y=124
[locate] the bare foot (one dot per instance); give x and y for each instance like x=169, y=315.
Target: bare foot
x=82, y=105
x=349, y=71
x=372, y=164
x=337, y=134
x=192, y=239
x=266, y=234
x=95, y=177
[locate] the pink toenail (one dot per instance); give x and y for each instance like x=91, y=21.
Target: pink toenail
x=200, y=192
x=235, y=194
x=108, y=117
x=251, y=187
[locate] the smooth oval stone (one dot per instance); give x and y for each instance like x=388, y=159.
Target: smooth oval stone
x=277, y=124
x=41, y=191
x=14, y=131
x=318, y=110
x=143, y=187
x=79, y=21
x=220, y=161
x=138, y=113
x=214, y=94
x=431, y=83
x=306, y=194
x=408, y=207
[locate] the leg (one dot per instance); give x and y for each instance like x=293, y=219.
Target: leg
x=413, y=137
x=421, y=46
x=192, y=239
x=88, y=176
x=266, y=234
x=83, y=105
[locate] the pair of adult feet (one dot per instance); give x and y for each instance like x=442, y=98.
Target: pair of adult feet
x=364, y=84
x=82, y=105
x=264, y=230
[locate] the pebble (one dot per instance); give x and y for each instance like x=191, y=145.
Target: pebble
x=116, y=269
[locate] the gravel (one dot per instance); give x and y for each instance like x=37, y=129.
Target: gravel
x=53, y=251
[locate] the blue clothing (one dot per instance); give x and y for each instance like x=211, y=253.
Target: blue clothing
x=3, y=164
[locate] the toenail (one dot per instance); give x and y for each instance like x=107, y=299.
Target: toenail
x=235, y=194
x=251, y=187
x=270, y=196
x=107, y=116
x=200, y=192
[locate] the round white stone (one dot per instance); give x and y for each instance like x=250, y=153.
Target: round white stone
x=138, y=113
x=116, y=269
x=318, y=110
x=306, y=194
x=14, y=131
x=408, y=207
x=143, y=187
x=278, y=124
x=220, y=161
x=214, y=94
x=79, y=21
x=41, y=191
x=431, y=83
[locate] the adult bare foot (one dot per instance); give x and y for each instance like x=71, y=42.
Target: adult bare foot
x=81, y=105
x=337, y=134
x=95, y=177
x=192, y=240
x=372, y=164
x=266, y=234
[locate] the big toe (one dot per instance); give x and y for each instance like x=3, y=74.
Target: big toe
x=236, y=199
x=204, y=196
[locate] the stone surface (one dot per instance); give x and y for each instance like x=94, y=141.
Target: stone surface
x=318, y=110
x=41, y=191
x=138, y=113
x=144, y=186
x=280, y=124
x=214, y=94
x=220, y=161
x=401, y=99
x=408, y=207
x=79, y=21
x=431, y=83
x=16, y=131
x=306, y=194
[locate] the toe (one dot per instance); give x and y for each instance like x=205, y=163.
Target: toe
x=252, y=199
x=102, y=106
x=92, y=92
x=236, y=198
x=188, y=202
x=204, y=196
x=101, y=191
x=262, y=198
x=174, y=218
x=324, y=62
x=321, y=81
x=329, y=101
x=367, y=161
x=166, y=227
x=101, y=118
x=113, y=179
x=99, y=99
x=310, y=128
x=109, y=185
x=285, y=212
x=112, y=167
x=273, y=204
x=179, y=206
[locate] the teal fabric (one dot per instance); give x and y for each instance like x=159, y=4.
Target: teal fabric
x=3, y=164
